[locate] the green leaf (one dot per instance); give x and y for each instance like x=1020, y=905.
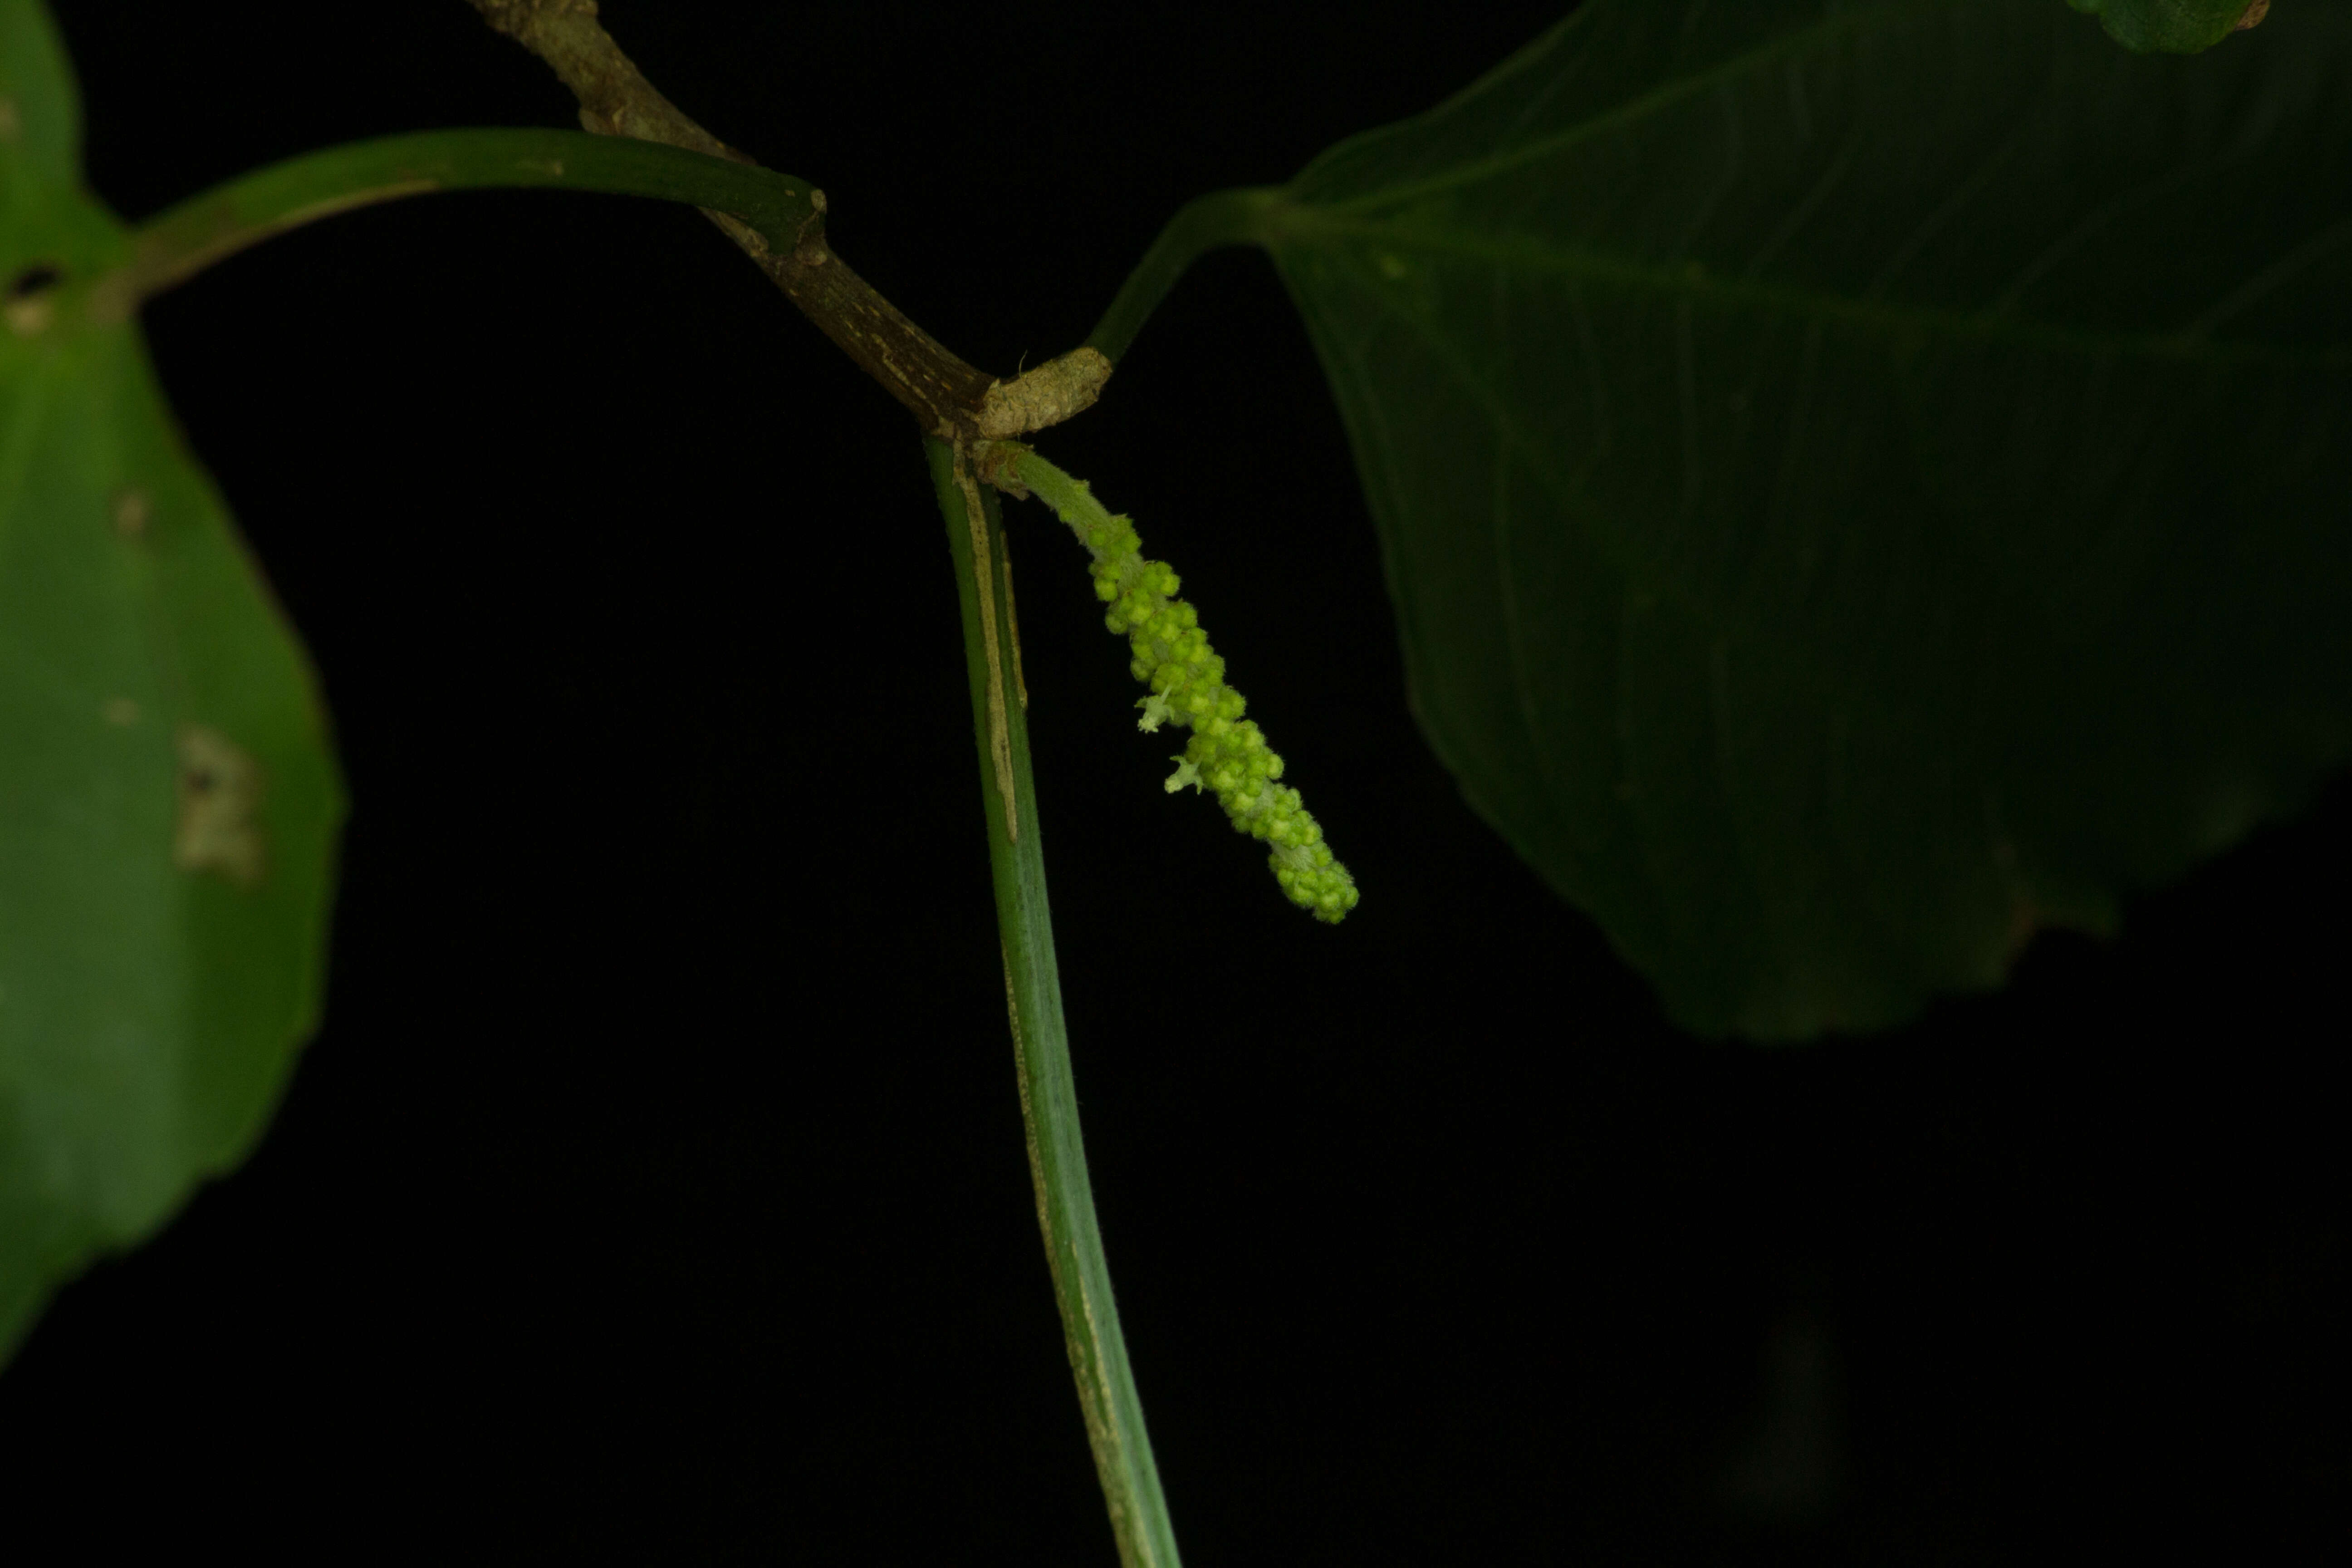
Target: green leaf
x=2175, y=27
x=1860, y=482
x=168, y=804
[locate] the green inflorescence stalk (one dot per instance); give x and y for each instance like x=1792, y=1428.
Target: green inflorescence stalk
x=1227, y=755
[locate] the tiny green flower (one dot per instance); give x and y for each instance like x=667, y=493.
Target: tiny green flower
x=1171, y=655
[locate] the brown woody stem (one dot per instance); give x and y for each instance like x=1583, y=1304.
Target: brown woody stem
x=946, y=396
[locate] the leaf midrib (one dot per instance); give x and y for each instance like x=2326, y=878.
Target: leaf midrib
x=1690, y=282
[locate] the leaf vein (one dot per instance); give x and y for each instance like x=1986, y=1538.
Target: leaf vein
x=1860, y=309
x=1633, y=111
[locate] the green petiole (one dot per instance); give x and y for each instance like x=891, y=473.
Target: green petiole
x=218, y=222
x=1220, y=218
x=1041, y=1043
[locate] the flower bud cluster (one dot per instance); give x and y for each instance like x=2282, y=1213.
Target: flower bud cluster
x=1227, y=756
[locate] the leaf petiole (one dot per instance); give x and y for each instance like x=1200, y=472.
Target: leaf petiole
x=216, y=224
x=1219, y=219
x=1041, y=1043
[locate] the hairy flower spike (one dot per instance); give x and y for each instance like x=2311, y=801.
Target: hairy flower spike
x=1227, y=756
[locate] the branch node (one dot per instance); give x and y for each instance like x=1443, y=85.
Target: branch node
x=1046, y=395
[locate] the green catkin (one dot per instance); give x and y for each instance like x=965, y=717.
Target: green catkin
x=1170, y=653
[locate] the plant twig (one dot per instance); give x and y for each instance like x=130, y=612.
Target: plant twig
x=1033, y=999
x=950, y=399
x=616, y=99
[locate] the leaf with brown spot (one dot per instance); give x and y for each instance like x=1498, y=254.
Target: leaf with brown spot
x=168, y=803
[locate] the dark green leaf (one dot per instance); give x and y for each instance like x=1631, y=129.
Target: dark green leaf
x=2176, y=26
x=1860, y=482
x=168, y=805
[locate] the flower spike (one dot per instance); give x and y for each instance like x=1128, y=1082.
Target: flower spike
x=1227, y=756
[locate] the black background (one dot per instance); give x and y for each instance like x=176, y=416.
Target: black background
x=656, y=1186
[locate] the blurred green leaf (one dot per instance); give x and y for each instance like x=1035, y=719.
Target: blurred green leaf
x=1860, y=482
x=2175, y=27
x=168, y=805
